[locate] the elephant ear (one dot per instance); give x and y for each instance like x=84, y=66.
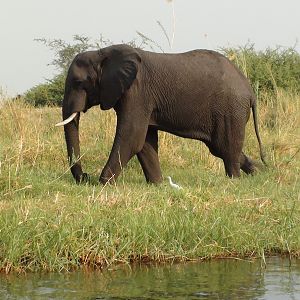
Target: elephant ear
x=119, y=70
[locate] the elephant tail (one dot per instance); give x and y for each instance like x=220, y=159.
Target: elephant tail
x=254, y=112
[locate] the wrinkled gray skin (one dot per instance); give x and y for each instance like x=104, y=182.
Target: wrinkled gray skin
x=199, y=95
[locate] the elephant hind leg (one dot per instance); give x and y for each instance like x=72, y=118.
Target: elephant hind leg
x=246, y=164
x=227, y=143
x=148, y=157
x=231, y=162
x=230, y=157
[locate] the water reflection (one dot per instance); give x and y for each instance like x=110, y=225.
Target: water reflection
x=226, y=279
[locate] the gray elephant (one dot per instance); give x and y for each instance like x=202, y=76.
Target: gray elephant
x=198, y=94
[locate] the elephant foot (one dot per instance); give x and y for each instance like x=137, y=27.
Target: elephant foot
x=232, y=169
x=250, y=166
x=154, y=180
x=83, y=178
x=107, y=177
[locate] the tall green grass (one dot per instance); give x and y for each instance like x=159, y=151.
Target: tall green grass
x=47, y=222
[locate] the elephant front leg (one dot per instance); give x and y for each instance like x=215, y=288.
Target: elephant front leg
x=148, y=157
x=129, y=140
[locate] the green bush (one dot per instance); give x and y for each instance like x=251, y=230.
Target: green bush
x=268, y=70
x=47, y=94
x=51, y=93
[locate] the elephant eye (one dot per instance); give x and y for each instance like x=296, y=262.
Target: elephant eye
x=77, y=83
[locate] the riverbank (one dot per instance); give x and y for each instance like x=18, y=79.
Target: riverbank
x=47, y=222
x=215, y=279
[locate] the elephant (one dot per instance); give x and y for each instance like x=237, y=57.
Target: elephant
x=198, y=94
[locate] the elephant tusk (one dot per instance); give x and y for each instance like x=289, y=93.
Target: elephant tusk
x=66, y=121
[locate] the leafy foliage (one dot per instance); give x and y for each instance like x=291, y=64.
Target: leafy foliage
x=268, y=70
x=51, y=93
x=65, y=52
x=47, y=94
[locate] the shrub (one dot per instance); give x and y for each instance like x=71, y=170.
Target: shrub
x=51, y=93
x=268, y=70
x=47, y=94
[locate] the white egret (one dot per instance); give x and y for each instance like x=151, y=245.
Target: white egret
x=173, y=184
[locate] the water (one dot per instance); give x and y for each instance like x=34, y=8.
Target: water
x=225, y=279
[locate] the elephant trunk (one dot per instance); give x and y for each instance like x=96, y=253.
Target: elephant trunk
x=73, y=148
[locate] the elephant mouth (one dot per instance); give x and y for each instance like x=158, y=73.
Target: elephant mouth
x=68, y=120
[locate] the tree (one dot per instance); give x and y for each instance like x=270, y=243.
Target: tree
x=51, y=92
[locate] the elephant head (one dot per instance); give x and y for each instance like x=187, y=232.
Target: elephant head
x=94, y=77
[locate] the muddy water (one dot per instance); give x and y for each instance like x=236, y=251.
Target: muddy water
x=224, y=279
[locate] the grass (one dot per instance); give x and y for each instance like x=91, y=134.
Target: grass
x=47, y=222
